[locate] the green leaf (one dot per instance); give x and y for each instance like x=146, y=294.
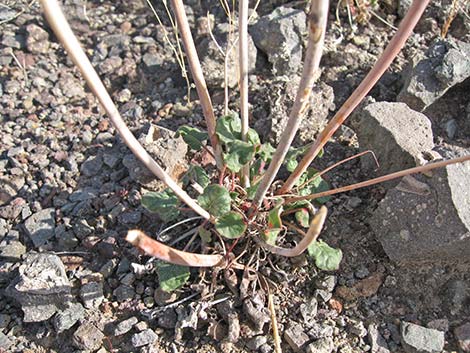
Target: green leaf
x=205, y=235
x=172, y=277
x=215, y=199
x=163, y=203
x=228, y=128
x=253, y=137
x=291, y=165
x=239, y=154
x=231, y=225
x=274, y=225
x=326, y=258
x=318, y=184
x=303, y=217
x=192, y=136
x=266, y=152
x=251, y=191
x=197, y=174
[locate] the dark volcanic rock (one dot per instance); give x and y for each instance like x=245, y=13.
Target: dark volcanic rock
x=41, y=226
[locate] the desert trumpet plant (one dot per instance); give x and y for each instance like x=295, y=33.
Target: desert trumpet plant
x=242, y=201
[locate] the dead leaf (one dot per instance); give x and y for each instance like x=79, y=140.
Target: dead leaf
x=413, y=186
x=362, y=289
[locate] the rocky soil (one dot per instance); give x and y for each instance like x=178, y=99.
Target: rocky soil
x=70, y=189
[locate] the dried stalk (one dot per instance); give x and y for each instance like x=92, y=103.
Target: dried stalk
x=312, y=234
x=243, y=67
x=381, y=179
x=62, y=30
x=392, y=50
x=167, y=253
x=198, y=77
x=317, y=26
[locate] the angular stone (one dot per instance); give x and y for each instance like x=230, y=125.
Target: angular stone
x=419, y=339
x=42, y=287
x=323, y=345
x=279, y=35
x=40, y=226
x=213, y=61
x=308, y=311
x=125, y=326
x=5, y=342
x=445, y=64
x=88, y=337
x=169, y=151
x=92, y=294
x=11, y=249
x=143, y=338
x=462, y=334
x=377, y=343
x=66, y=318
x=432, y=225
x=123, y=293
x=396, y=134
x=295, y=337
x=37, y=40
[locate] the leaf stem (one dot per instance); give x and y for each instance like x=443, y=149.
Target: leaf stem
x=317, y=25
x=198, y=77
x=62, y=30
x=382, y=64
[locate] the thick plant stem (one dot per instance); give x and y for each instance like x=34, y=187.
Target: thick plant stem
x=382, y=64
x=198, y=77
x=167, y=253
x=317, y=26
x=64, y=33
x=312, y=234
x=243, y=83
x=402, y=173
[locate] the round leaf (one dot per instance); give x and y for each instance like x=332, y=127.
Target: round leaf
x=326, y=258
x=215, y=199
x=172, y=277
x=230, y=225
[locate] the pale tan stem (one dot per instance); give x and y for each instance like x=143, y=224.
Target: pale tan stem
x=382, y=64
x=381, y=179
x=243, y=83
x=312, y=234
x=62, y=30
x=166, y=253
x=317, y=26
x=198, y=77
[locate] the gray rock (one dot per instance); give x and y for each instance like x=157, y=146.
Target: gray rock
x=428, y=225
x=327, y=283
x=295, y=336
x=92, y=294
x=9, y=188
x=419, y=339
x=4, y=320
x=279, y=35
x=282, y=97
x=397, y=135
x=445, y=64
x=143, y=338
x=5, y=342
x=92, y=166
x=168, y=319
x=169, y=151
x=37, y=40
x=462, y=334
x=40, y=226
x=309, y=310
x=125, y=326
x=403, y=6
x=212, y=61
x=320, y=331
x=254, y=343
x=456, y=294
x=11, y=249
x=323, y=345
x=88, y=337
x=66, y=318
x=256, y=312
x=357, y=328
x=42, y=287
x=124, y=293
x=377, y=342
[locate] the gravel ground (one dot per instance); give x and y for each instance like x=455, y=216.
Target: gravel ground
x=70, y=189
